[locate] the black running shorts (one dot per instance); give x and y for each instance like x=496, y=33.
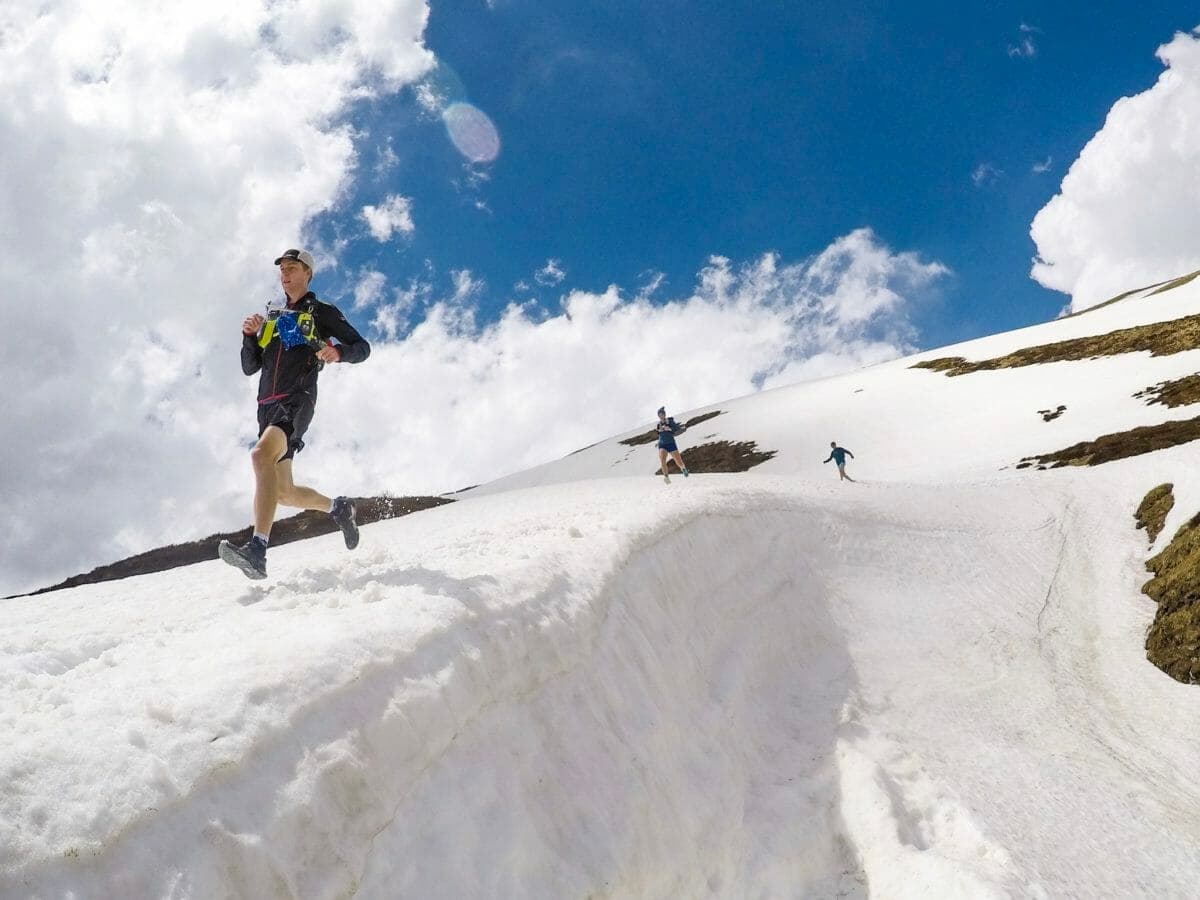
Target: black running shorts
x=291, y=414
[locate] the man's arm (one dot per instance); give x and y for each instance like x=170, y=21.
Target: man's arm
x=251, y=352
x=828, y=458
x=352, y=347
x=848, y=453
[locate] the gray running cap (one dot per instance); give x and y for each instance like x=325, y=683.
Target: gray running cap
x=299, y=256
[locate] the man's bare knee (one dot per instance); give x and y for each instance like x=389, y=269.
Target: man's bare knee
x=270, y=447
x=263, y=457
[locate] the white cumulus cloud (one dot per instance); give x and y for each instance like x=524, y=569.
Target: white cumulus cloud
x=550, y=274
x=1128, y=210
x=156, y=159
x=391, y=216
x=369, y=288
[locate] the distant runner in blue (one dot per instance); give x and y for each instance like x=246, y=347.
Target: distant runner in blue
x=667, y=428
x=838, y=455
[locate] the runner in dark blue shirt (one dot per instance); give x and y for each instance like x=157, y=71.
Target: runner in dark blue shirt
x=838, y=455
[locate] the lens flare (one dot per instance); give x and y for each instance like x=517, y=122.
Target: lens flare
x=472, y=132
x=441, y=87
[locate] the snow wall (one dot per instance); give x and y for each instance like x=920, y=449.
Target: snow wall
x=672, y=734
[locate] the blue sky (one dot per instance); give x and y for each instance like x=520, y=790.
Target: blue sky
x=643, y=138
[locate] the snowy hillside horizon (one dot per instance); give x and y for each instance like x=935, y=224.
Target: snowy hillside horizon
x=579, y=680
x=570, y=467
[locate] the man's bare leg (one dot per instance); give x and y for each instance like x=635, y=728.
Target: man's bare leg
x=251, y=556
x=342, y=509
x=299, y=496
x=264, y=458
x=662, y=461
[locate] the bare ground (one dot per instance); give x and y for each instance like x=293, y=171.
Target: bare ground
x=295, y=528
x=1119, y=445
x=1152, y=512
x=723, y=456
x=1179, y=392
x=1157, y=338
x=1173, y=639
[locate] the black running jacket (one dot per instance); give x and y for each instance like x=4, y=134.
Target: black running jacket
x=290, y=371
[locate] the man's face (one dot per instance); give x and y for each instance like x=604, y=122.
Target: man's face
x=294, y=276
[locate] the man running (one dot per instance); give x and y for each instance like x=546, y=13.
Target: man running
x=667, y=450
x=290, y=346
x=838, y=455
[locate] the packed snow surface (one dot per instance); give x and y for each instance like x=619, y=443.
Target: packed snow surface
x=582, y=681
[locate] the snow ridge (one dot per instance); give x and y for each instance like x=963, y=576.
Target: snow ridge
x=632, y=705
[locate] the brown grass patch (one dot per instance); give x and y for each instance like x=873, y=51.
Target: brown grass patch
x=1119, y=445
x=294, y=528
x=1173, y=639
x=1049, y=415
x=1157, y=338
x=1180, y=392
x=1151, y=513
x=723, y=456
x=649, y=437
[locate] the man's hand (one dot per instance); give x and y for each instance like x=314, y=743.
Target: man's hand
x=329, y=354
x=251, y=324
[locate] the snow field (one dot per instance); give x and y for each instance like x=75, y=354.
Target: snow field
x=744, y=688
